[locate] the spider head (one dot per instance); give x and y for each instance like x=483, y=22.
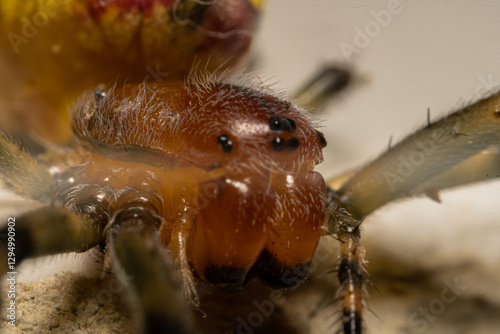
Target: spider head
x=235, y=162
x=234, y=125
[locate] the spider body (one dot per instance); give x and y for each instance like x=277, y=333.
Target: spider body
x=210, y=153
x=206, y=181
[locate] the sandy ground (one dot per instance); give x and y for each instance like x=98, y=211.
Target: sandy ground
x=405, y=298
x=432, y=54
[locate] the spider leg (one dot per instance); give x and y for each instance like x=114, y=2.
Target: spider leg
x=48, y=231
x=480, y=167
x=143, y=265
x=178, y=246
x=323, y=86
x=21, y=173
x=351, y=273
x=427, y=154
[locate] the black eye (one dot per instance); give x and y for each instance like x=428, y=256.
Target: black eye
x=279, y=125
x=278, y=144
x=321, y=139
x=290, y=124
x=99, y=94
x=226, y=143
x=276, y=125
x=293, y=144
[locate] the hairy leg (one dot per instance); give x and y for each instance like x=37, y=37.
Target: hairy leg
x=351, y=276
x=144, y=267
x=47, y=231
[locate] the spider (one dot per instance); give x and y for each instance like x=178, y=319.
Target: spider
x=364, y=224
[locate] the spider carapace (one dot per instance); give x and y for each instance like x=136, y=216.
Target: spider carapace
x=231, y=169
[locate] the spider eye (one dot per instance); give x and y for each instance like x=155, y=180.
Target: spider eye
x=321, y=138
x=99, y=94
x=293, y=144
x=226, y=143
x=289, y=124
x=276, y=125
x=278, y=144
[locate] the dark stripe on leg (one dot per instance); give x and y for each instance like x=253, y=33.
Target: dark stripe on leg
x=350, y=270
x=50, y=230
x=144, y=267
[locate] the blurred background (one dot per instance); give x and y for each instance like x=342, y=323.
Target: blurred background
x=434, y=54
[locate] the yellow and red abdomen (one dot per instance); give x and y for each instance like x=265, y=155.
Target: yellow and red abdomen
x=53, y=50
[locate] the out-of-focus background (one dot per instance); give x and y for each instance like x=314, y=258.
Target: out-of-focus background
x=427, y=54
